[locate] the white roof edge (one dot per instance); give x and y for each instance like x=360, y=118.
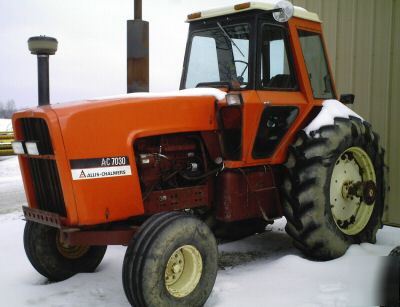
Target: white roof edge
x=298, y=11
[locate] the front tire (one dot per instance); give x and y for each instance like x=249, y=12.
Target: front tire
x=322, y=217
x=55, y=260
x=171, y=261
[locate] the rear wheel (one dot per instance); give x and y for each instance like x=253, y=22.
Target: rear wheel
x=54, y=259
x=334, y=189
x=171, y=261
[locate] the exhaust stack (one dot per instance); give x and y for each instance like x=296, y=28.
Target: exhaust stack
x=137, y=52
x=43, y=47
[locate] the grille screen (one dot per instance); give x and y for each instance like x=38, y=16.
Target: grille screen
x=47, y=185
x=44, y=173
x=35, y=129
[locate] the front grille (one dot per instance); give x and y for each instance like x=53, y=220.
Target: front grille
x=35, y=129
x=47, y=185
x=44, y=172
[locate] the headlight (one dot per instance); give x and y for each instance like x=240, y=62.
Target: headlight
x=18, y=148
x=234, y=99
x=32, y=148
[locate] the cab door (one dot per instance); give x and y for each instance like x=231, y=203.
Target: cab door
x=280, y=91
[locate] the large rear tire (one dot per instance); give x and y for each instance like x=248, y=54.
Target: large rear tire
x=54, y=259
x=323, y=217
x=171, y=261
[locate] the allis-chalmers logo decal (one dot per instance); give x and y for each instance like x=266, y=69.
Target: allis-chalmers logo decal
x=84, y=169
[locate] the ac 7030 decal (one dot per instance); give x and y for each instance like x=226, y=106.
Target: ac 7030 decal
x=82, y=169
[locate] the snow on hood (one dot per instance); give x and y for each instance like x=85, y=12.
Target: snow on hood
x=206, y=91
x=330, y=109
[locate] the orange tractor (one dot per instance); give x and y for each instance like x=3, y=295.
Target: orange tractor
x=254, y=134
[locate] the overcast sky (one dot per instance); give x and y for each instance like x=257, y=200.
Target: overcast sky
x=91, y=60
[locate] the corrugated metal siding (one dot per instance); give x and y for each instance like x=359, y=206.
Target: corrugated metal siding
x=363, y=39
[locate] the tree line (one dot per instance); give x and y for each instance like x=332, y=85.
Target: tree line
x=7, y=109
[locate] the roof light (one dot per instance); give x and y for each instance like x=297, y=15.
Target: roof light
x=18, y=148
x=233, y=99
x=242, y=6
x=32, y=148
x=194, y=16
x=285, y=11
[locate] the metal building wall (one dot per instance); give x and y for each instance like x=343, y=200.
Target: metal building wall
x=363, y=40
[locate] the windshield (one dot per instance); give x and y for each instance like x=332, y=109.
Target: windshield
x=219, y=56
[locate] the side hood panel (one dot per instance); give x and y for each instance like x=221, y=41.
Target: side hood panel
x=101, y=129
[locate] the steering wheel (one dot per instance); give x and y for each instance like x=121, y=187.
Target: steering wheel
x=240, y=77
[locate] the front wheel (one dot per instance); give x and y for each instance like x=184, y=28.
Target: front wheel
x=54, y=259
x=334, y=189
x=171, y=261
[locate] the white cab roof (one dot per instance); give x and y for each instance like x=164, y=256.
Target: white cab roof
x=266, y=6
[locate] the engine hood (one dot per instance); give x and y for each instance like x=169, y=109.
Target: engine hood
x=93, y=130
x=110, y=126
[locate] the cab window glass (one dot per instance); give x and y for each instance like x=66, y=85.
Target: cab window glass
x=241, y=58
x=203, y=64
x=317, y=67
x=219, y=55
x=276, y=72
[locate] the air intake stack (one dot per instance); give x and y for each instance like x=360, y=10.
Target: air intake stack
x=43, y=47
x=137, y=52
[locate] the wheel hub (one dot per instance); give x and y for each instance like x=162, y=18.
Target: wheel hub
x=352, y=190
x=174, y=267
x=183, y=271
x=366, y=191
x=70, y=251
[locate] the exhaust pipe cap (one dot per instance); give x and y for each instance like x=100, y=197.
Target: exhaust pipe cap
x=42, y=45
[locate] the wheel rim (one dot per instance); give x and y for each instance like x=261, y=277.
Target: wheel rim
x=350, y=212
x=183, y=271
x=70, y=251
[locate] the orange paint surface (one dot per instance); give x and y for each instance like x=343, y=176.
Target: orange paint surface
x=108, y=128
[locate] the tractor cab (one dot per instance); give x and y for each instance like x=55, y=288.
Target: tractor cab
x=272, y=61
x=251, y=46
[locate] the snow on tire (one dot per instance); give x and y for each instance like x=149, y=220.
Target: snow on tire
x=334, y=188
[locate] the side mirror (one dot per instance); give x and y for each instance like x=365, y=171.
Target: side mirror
x=347, y=98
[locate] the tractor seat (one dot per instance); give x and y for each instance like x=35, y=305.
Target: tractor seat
x=279, y=81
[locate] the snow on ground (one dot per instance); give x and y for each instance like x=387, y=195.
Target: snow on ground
x=5, y=125
x=280, y=276
x=258, y=271
x=12, y=195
